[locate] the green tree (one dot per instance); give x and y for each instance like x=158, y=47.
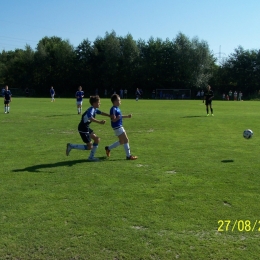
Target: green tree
x=54, y=59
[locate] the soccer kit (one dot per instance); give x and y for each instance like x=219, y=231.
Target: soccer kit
x=52, y=92
x=118, y=125
x=7, y=95
x=83, y=127
x=79, y=95
x=208, y=96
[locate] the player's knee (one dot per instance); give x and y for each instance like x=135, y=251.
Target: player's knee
x=96, y=140
x=89, y=146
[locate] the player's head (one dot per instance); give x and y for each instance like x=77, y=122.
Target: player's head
x=94, y=101
x=115, y=99
x=208, y=87
x=6, y=87
x=80, y=88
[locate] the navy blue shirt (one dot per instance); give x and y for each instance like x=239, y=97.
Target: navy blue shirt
x=7, y=95
x=91, y=112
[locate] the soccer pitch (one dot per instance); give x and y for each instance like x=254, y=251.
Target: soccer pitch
x=193, y=192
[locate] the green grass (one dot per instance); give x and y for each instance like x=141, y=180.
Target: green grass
x=192, y=171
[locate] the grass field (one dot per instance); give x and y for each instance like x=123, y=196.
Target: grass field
x=193, y=175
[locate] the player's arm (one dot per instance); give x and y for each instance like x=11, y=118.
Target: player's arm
x=128, y=116
x=102, y=122
x=102, y=113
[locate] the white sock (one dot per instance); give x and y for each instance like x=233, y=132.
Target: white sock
x=114, y=145
x=127, y=149
x=93, y=151
x=8, y=109
x=79, y=146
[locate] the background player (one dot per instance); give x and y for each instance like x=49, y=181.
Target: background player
x=52, y=92
x=117, y=125
x=86, y=132
x=7, y=99
x=79, y=96
x=208, y=96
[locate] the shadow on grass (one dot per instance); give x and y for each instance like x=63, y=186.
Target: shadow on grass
x=39, y=167
x=62, y=115
x=191, y=116
x=227, y=161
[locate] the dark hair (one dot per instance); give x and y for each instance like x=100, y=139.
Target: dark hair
x=114, y=97
x=93, y=99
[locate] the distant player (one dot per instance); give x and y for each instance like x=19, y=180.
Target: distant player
x=208, y=96
x=79, y=97
x=7, y=99
x=117, y=125
x=137, y=94
x=86, y=132
x=52, y=92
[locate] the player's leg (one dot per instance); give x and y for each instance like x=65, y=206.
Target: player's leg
x=96, y=140
x=123, y=139
x=117, y=132
x=8, y=107
x=211, y=109
x=207, y=108
x=80, y=107
x=87, y=146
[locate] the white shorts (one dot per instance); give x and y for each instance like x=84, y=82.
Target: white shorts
x=79, y=103
x=119, y=131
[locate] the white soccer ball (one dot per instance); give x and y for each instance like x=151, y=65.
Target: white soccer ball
x=248, y=134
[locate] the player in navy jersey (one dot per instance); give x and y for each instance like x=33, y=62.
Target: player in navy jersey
x=117, y=125
x=7, y=99
x=52, y=92
x=86, y=132
x=79, y=96
x=208, y=96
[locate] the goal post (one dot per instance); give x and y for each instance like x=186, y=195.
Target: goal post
x=173, y=93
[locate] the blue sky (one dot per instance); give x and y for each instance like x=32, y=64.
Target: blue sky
x=223, y=24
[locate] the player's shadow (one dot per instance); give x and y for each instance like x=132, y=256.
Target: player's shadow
x=227, y=161
x=61, y=115
x=191, y=116
x=39, y=167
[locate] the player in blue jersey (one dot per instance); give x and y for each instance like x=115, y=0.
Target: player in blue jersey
x=52, y=92
x=117, y=125
x=7, y=99
x=86, y=132
x=79, y=97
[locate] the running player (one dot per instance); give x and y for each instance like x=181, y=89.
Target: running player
x=117, y=125
x=86, y=132
x=7, y=99
x=79, y=96
x=52, y=92
x=208, y=96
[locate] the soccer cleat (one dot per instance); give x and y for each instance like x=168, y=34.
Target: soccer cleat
x=131, y=157
x=212, y=115
x=93, y=159
x=207, y=114
x=68, y=149
x=107, y=151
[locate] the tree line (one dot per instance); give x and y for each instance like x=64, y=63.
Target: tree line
x=113, y=62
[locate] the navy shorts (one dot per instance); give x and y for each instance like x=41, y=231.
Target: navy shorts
x=6, y=102
x=85, y=136
x=208, y=102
